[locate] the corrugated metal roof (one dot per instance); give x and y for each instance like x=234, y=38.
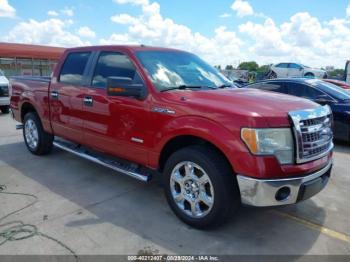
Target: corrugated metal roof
x=30, y=51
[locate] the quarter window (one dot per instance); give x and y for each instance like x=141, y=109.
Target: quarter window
x=73, y=68
x=112, y=64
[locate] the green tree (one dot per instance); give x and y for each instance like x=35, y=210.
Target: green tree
x=229, y=67
x=263, y=69
x=251, y=66
x=337, y=73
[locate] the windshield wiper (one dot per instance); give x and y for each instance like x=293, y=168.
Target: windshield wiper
x=182, y=87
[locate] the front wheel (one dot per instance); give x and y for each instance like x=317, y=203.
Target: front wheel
x=36, y=139
x=200, y=187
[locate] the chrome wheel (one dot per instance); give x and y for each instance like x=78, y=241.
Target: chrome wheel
x=191, y=189
x=31, y=134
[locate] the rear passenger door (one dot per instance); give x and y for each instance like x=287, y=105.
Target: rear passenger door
x=66, y=97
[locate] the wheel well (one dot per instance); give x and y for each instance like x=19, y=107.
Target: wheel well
x=309, y=74
x=180, y=142
x=26, y=108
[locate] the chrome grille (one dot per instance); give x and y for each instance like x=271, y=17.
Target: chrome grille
x=313, y=133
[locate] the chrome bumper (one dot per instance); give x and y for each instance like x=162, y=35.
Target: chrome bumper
x=266, y=192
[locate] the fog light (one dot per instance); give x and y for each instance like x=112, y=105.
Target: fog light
x=282, y=194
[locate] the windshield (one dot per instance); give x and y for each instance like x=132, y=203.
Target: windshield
x=170, y=69
x=330, y=89
x=1, y=73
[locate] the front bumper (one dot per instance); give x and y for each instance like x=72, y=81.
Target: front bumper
x=4, y=101
x=275, y=192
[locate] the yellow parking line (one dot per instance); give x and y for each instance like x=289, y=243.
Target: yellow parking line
x=311, y=225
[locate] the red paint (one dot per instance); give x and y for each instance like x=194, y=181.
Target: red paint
x=215, y=115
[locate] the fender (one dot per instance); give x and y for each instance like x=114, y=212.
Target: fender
x=225, y=140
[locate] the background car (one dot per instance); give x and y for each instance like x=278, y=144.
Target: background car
x=320, y=92
x=340, y=83
x=283, y=70
x=4, y=94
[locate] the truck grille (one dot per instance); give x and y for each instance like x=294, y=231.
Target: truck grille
x=4, y=91
x=313, y=133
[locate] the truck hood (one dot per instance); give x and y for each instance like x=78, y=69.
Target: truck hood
x=3, y=80
x=255, y=104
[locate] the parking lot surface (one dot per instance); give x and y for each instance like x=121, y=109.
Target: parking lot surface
x=93, y=210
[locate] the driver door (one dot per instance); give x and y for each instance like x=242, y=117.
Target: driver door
x=294, y=70
x=114, y=124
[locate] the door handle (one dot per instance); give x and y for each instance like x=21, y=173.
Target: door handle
x=54, y=94
x=88, y=101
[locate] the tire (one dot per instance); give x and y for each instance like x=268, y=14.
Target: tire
x=36, y=139
x=5, y=109
x=220, y=191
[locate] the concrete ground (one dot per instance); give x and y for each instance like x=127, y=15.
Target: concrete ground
x=93, y=210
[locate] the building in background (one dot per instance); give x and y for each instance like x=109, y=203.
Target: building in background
x=28, y=60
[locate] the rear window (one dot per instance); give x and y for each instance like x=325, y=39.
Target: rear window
x=73, y=68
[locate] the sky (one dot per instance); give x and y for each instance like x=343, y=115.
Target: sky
x=311, y=32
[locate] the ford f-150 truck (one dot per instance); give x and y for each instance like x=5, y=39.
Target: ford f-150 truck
x=145, y=110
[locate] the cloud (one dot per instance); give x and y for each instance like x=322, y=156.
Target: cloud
x=303, y=38
x=86, y=32
x=6, y=10
x=151, y=28
x=242, y=8
x=52, y=13
x=348, y=10
x=225, y=15
x=48, y=32
x=68, y=11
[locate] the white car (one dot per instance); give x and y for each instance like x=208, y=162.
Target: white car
x=4, y=94
x=286, y=70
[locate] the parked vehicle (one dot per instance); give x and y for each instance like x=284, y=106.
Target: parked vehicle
x=320, y=92
x=4, y=94
x=288, y=70
x=145, y=110
x=339, y=83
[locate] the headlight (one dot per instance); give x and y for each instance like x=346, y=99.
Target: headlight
x=270, y=141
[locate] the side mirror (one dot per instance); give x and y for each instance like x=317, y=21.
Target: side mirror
x=124, y=86
x=323, y=99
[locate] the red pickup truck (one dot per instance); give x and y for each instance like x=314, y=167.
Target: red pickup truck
x=145, y=110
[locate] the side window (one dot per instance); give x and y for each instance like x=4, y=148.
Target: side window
x=294, y=66
x=304, y=91
x=73, y=68
x=113, y=64
x=274, y=87
x=282, y=65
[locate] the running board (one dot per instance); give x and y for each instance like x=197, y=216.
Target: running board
x=121, y=166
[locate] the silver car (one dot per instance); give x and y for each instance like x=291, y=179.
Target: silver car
x=4, y=94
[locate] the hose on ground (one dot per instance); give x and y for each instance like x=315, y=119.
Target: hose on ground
x=18, y=230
